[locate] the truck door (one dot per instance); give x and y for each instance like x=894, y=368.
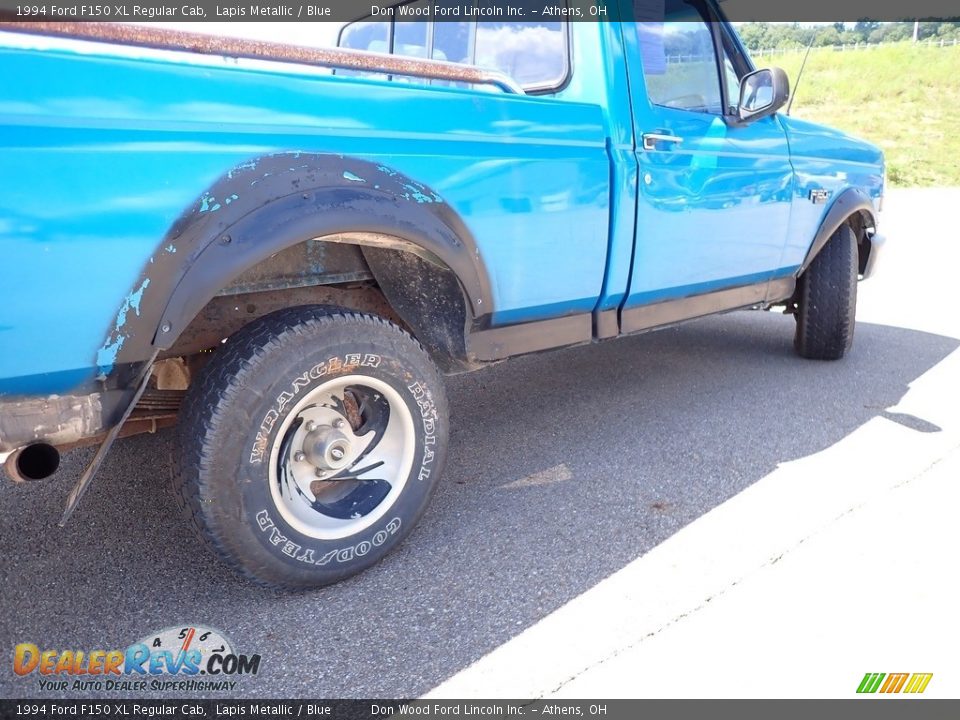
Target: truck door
x=714, y=197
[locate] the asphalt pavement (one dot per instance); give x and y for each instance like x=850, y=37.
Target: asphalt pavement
x=564, y=468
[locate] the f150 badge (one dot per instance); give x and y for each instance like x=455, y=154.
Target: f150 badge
x=818, y=196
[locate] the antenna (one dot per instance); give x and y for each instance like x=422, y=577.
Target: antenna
x=813, y=37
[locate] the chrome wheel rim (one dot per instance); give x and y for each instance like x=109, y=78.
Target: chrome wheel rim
x=342, y=457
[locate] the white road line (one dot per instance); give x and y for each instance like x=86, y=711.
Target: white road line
x=722, y=552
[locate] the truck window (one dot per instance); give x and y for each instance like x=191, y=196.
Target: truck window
x=452, y=41
x=536, y=55
x=680, y=62
x=366, y=35
x=735, y=66
x=533, y=55
x=410, y=39
x=733, y=83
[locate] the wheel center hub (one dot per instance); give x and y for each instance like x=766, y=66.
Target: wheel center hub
x=327, y=448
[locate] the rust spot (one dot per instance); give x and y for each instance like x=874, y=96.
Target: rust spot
x=163, y=39
x=352, y=409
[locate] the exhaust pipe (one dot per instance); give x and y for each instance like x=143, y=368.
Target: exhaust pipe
x=33, y=462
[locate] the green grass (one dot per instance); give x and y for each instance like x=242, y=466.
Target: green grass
x=903, y=97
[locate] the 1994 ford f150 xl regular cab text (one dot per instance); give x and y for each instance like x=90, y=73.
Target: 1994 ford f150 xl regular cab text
x=283, y=259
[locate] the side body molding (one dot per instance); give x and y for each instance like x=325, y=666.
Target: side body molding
x=851, y=201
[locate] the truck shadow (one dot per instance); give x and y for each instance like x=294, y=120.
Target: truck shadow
x=564, y=467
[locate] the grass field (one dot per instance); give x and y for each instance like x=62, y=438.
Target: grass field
x=904, y=97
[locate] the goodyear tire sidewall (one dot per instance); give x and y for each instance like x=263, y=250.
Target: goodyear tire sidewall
x=300, y=558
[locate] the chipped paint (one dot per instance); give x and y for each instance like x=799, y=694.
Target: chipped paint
x=417, y=194
x=133, y=301
x=209, y=203
x=107, y=355
x=249, y=165
x=254, y=183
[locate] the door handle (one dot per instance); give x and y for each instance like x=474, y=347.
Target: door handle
x=650, y=140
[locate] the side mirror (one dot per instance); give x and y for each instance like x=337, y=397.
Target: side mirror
x=762, y=93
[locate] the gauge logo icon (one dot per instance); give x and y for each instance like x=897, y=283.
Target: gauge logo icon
x=186, y=638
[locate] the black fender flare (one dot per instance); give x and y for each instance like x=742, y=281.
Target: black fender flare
x=848, y=203
x=271, y=203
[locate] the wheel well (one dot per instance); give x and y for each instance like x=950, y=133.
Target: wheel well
x=368, y=273
x=860, y=223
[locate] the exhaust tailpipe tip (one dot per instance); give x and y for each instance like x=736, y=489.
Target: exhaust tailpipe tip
x=33, y=462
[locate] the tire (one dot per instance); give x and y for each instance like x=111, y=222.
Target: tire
x=827, y=305
x=310, y=445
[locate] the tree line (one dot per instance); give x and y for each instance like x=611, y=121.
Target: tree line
x=775, y=36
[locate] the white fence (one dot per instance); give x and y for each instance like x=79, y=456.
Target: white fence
x=929, y=42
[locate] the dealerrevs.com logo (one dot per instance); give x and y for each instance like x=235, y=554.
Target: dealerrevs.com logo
x=188, y=658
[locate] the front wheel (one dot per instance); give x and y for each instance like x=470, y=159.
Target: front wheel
x=827, y=306
x=310, y=445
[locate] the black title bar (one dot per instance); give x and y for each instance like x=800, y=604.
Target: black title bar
x=459, y=10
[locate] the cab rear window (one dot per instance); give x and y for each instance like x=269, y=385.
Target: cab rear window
x=536, y=55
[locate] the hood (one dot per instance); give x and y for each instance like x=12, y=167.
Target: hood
x=812, y=140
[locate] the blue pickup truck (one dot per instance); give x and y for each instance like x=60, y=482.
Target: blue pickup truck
x=282, y=251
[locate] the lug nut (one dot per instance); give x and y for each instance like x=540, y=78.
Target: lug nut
x=338, y=423
x=299, y=457
x=311, y=426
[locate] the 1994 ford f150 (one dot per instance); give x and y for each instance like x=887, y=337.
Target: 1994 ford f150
x=284, y=259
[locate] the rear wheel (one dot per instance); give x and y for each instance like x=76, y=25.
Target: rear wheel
x=310, y=445
x=827, y=299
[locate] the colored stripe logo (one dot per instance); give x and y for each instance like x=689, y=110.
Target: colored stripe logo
x=914, y=683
